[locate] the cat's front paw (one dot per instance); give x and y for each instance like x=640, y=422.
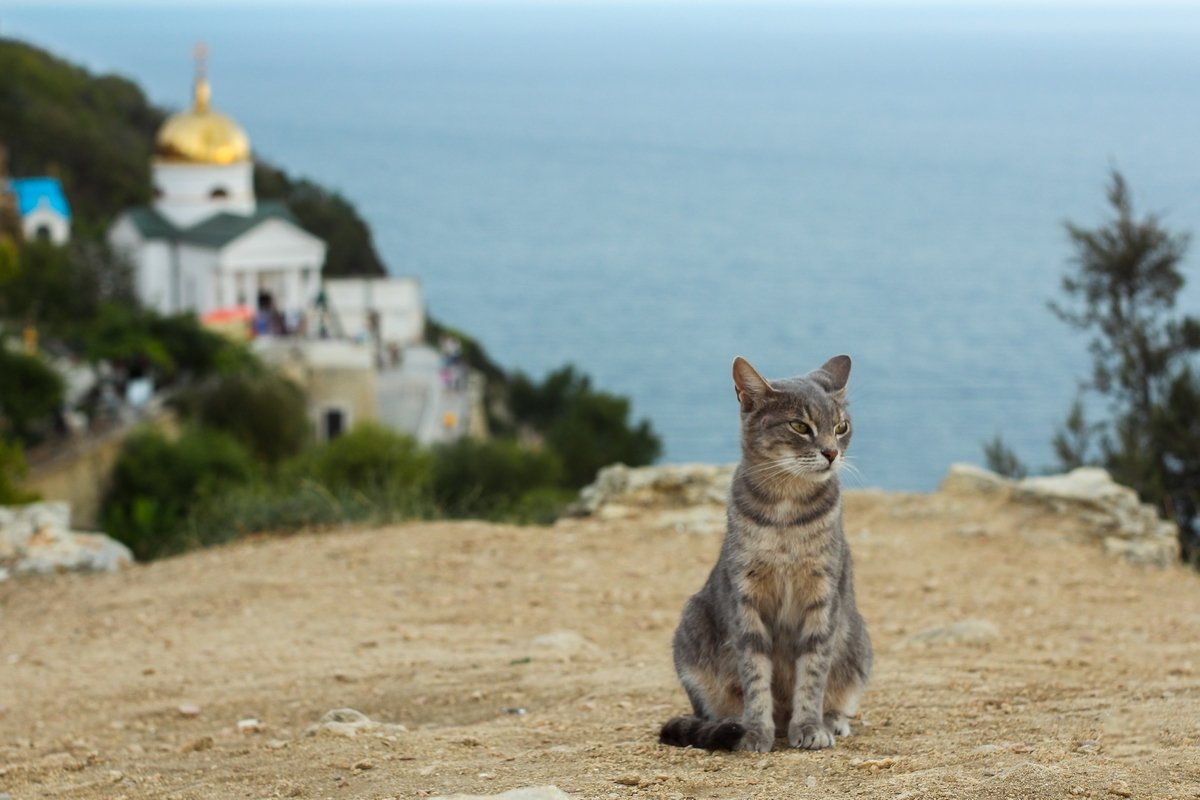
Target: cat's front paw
x=758, y=739
x=809, y=735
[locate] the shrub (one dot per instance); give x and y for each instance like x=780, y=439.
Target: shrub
x=494, y=478
x=12, y=470
x=370, y=459
x=259, y=407
x=156, y=483
x=30, y=393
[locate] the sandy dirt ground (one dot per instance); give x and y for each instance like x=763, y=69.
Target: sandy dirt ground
x=528, y=656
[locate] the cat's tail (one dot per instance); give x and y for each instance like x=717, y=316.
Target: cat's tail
x=702, y=733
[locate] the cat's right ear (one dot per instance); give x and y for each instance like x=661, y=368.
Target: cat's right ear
x=751, y=387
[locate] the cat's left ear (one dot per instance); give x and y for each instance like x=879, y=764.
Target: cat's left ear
x=837, y=372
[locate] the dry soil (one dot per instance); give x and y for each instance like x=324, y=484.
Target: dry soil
x=527, y=656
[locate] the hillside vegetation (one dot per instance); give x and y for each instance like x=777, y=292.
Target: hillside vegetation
x=95, y=133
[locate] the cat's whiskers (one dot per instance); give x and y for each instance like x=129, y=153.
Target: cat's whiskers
x=853, y=470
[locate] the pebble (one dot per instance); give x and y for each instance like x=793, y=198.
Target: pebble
x=249, y=725
x=189, y=710
x=198, y=745
x=364, y=765
x=1120, y=789
x=277, y=744
x=810, y=781
x=628, y=780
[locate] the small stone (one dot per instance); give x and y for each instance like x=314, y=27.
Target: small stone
x=198, y=745
x=277, y=744
x=810, y=781
x=363, y=765
x=1077, y=791
x=249, y=725
x=628, y=780
x=1120, y=789
x=189, y=710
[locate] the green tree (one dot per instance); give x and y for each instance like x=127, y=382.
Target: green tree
x=1002, y=460
x=1122, y=290
x=588, y=429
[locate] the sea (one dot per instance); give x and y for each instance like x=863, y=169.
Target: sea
x=646, y=190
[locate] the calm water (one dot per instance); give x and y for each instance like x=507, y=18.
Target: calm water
x=647, y=192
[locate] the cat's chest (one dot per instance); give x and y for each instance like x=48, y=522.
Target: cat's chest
x=783, y=581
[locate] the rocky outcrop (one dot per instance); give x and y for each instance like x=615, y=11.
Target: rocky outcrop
x=674, y=486
x=350, y=723
x=1104, y=509
x=38, y=538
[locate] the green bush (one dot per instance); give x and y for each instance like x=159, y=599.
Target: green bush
x=30, y=392
x=259, y=407
x=12, y=470
x=494, y=478
x=370, y=459
x=156, y=483
x=289, y=505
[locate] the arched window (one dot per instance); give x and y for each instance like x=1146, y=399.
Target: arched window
x=219, y=193
x=42, y=233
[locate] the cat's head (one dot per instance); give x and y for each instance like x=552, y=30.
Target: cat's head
x=794, y=427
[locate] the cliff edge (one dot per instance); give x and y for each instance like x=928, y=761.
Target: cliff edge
x=1018, y=655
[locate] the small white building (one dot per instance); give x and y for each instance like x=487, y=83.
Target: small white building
x=45, y=213
x=206, y=243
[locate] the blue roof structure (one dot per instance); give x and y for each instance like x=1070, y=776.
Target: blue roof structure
x=33, y=192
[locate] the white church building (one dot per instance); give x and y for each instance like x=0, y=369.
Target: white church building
x=206, y=243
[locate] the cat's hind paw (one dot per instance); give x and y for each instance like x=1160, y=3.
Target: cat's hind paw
x=837, y=724
x=809, y=735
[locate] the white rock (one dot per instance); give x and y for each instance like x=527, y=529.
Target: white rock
x=669, y=486
x=528, y=793
x=560, y=640
x=972, y=479
x=1155, y=552
x=249, y=725
x=38, y=538
x=350, y=723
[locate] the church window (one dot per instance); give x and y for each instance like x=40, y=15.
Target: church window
x=219, y=193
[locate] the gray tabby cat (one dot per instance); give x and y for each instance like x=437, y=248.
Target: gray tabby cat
x=774, y=641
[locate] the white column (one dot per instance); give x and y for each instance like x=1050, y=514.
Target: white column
x=292, y=301
x=228, y=289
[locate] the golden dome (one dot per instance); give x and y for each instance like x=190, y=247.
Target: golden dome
x=201, y=135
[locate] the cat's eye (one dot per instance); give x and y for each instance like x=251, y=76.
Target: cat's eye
x=842, y=428
x=801, y=428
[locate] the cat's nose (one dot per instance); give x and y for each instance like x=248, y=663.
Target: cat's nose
x=830, y=455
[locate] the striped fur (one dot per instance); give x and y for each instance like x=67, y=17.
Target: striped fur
x=774, y=642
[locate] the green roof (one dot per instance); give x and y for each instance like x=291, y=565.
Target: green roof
x=216, y=231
